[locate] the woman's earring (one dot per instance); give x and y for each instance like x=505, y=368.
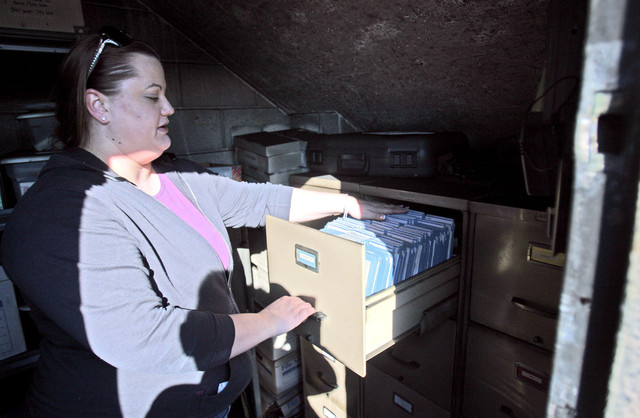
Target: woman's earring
x=104, y=119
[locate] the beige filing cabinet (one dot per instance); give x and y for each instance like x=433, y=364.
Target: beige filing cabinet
x=515, y=292
x=505, y=376
x=385, y=396
x=331, y=390
x=329, y=272
x=430, y=196
x=354, y=329
x=516, y=282
x=422, y=362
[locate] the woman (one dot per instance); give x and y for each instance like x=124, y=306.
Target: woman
x=122, y=253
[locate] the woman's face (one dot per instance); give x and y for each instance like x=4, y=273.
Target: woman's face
x=138, y=115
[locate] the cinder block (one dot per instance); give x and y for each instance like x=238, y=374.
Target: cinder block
x=214, y=86
x=196, y=131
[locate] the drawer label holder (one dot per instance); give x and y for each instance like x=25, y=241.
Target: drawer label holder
x=307, y=258
x=532, y=377
x=327, y=413
x=402, y=403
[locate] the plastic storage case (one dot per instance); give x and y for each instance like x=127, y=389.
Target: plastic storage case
x=383, y=154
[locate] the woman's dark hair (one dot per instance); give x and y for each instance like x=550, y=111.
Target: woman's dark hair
x=112, y=67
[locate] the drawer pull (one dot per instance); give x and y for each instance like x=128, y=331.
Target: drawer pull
x=438, y=313
x=534, y=308
x=332, y=385
x=411, y=364
x=319, y=316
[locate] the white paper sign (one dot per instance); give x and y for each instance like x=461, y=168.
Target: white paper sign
x=44, y=15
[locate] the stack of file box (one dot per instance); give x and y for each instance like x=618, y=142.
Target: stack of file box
x=399, y=247
x=270, y=157
x=278, y=358
x=280, y=375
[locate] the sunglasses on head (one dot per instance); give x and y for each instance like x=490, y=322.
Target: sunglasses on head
x=109, y=36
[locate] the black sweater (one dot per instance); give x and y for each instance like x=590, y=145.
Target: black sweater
x=132, y=303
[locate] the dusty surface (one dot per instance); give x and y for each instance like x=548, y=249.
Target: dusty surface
x=385, y=65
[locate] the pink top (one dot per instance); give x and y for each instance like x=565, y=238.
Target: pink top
x=172, y=198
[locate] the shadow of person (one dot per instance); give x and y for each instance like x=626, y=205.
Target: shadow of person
x=211, y=402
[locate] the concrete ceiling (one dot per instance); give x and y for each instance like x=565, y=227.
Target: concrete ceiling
x=471, y=66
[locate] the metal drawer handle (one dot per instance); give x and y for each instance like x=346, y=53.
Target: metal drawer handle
x=326, y=382
x=411, y=364
x=534, y=308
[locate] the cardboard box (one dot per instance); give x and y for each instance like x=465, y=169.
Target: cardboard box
x=289, y=404
x=261, y=287
x=269, y=143
x=280, y=346
x=276, y=178
x=231, y=171
x=280, y=375
x=273, y=164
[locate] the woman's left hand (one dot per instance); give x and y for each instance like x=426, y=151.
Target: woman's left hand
x=364, y=209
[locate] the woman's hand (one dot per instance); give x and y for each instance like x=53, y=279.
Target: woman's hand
x=307, y=205
x=364, y=209
x=286, y=313
x=279, y=317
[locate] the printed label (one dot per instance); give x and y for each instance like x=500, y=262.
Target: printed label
x=532, y=377
x=307, y=258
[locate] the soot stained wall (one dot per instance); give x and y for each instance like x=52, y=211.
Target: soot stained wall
x=463, y=65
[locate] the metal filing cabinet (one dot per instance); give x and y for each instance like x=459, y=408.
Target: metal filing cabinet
x=422, y=362
x=516, y=283
x=349, y=326
x=515, y=291
x=505, y=376
x=331, y=390
x=437, y=376
x=385, y=396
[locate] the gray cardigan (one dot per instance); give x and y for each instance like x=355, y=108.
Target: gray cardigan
x=132, y=303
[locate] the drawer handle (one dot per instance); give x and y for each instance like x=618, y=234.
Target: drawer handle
x=411, y=364
x=534, y=308
x=332, y=385
x=319, y=316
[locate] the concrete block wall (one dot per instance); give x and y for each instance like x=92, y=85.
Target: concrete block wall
x=210, y=101
x=212, y=104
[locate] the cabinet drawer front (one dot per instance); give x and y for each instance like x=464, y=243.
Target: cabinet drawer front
x=329, y=388
x=331, y=276
x=504, y=376
x=416, y=356
x=332, y=281
x=386, y=397
x=510, y=291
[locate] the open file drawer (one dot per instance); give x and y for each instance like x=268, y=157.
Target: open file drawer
x=349, y=326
